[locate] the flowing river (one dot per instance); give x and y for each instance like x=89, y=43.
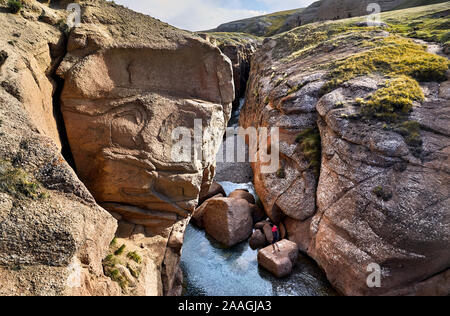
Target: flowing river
x=211, y=270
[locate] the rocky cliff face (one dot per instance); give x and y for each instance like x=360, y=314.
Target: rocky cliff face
x=323, y=10
x=127, y=82
x=357, y=183
x=239, y=48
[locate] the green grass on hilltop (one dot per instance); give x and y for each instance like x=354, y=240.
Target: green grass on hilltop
x=231, y=38
x=430, y=23
x=394, y=99
x=393, y=56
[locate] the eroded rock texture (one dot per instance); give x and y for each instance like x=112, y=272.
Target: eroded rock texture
x=126, y=90
x=129, y=81
x=53, y=236
x=375, y=201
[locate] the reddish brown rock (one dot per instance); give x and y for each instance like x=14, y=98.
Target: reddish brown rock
x=258, y=240
x=283, y=232
x=258, y=214
x=260, y=225
x=280, y=263
x=228, y=220
x=243, y=194
x=379, y=198
x=197, y=216
x=214, y=190
x=267, y=229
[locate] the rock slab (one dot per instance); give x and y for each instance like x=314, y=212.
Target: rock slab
x=279, y=263
x=229, y=221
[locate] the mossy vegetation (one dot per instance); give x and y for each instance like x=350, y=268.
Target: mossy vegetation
x=15, y=6
x=382, y=193
x=133, y=255
x=311, y=147
x=229, y=38
x=118, y=277
x=392, y=56
x=281, y=173
x=19, y=184
x=430, y=23
x=120, y=251
x=394, y=100
x=113, y=242
x=135, y=272
x=115, y=263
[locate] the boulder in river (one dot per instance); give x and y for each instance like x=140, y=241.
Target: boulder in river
x=258, y=240
x=260, y=225
x=281, y=262
x=267, y=229
x=243, y=194
x=257, y=213
x=197, y=216
x=228, y=220
x=214, y=190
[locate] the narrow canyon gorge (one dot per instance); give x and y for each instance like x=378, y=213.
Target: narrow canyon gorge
x=92, y=201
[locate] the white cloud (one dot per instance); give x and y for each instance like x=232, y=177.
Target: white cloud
x=193, y=15
x=196, y=15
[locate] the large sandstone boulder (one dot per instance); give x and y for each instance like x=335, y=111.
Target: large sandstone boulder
x=199, y=213
x=279, y=263
x=53, y=236
x=367, y=197
x=214, y=190
x=126, y=92
x=126, y=81
x=228, y=220
x=129, y=85
x=243, y=194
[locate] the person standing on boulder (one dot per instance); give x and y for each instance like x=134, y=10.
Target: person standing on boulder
x=276, y=237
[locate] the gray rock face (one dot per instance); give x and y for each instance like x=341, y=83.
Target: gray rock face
x=404, y=231
x=375, y=201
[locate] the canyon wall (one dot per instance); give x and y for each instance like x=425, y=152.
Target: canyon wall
x=53, y=236
x=110, y=93
x=355, y=189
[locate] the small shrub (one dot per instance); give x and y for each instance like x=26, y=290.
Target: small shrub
x=381, y=193
x=134, y=272
x=113, y=242
x=18, y=183
x=311, y=147
x=120, y=251
x=116, y=276
x=281, y=174
x=15, y=6
x=394, y=99
x=134, y=256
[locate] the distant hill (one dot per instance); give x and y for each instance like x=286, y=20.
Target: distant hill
x=323, y=10
x=266, y=25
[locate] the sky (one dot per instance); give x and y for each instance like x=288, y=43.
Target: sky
x=200, y=15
